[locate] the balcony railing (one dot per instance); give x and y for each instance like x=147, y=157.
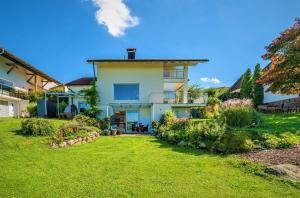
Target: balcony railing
x=174, y=74
x=160, y=97
x=10, y=91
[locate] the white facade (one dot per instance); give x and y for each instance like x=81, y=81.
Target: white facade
x=152, y=81
x=15, y=83
x=270, y=97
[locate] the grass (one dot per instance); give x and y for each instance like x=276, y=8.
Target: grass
x=280, y=123
x=138, y=166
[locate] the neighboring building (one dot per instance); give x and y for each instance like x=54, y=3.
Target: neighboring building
x=138, y=91
x=76, y=86
x=17, y=78
x=269, y=97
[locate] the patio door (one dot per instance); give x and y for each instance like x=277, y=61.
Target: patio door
x=132, y=120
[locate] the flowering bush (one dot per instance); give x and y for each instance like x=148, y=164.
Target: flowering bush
x=237, y=103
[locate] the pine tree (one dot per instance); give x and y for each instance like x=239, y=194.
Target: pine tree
x=246, y=84
x=258, y=89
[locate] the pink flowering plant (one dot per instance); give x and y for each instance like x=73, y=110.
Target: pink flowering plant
x=237, y=103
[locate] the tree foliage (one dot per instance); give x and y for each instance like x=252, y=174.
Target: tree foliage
x=246, y=84
x=283, y=73
x=92, y=98
x=258, y=89
x=195, y=91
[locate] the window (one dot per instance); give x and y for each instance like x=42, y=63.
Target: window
x=126, y=91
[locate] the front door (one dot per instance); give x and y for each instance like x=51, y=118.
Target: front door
x=132, y=120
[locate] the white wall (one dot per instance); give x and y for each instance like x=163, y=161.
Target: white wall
x=19, y=77
x=77, y=89
x=148, y=75
x=270, y=97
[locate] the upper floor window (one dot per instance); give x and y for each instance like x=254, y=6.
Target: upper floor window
x=6, y=83
x=126, y=91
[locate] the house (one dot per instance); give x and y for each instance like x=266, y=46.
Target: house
x=138, y=91
x=17, y=78
x=271, y=99
x=76, y=86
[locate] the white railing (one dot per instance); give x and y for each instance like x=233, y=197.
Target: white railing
x=174, y=74
x=159, y=97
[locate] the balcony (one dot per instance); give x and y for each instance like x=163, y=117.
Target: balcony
x=12, y=92
x=169, y=97
x=174, y=74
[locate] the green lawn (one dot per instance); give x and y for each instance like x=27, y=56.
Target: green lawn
x=280, y=123
x=123, y=167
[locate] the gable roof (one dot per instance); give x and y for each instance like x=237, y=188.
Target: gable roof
x=4, y=53
x=81, y=81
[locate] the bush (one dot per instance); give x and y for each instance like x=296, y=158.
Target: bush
x=270, y=141
x=288, y=140
x=72, y=130
x=168, y=118
x=241, y=117
x=37, y=127
x=237, y=103
x=32, y=109
x=236, y=142
x=105, y=123
x=85, y=120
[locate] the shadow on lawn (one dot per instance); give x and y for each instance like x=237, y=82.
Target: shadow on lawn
x=186, y=150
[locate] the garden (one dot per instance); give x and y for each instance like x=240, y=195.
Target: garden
x=136, y=166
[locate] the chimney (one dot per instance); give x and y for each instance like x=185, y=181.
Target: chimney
x=131, y=53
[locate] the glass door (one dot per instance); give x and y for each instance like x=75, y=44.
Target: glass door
x=132, y=120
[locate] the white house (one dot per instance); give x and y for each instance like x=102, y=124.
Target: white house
x=17, y=78
x=76, y=86
x=138, y=91
x=269, y=97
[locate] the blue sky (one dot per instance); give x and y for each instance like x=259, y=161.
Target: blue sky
x=58, y=36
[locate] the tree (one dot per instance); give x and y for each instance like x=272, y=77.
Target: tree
x=258, y=89
x=195, y=91
x=246, y=84
x=92, y=98
x=283, y=73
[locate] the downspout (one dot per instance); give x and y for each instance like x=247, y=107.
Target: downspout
x=94, y=71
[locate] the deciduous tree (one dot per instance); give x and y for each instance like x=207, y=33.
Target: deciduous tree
x=283, y=73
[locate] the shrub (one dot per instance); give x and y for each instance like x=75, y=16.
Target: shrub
x=37, y=127
x=168, y=118
x=212, y=111
x=270, y=141
x=72, y=130
x=241, y=116
x=105, y=123
x=288, y=140
x=236, y=142
x=85, y=120
x=237, y=103
x=32, y=109
x=155, y=126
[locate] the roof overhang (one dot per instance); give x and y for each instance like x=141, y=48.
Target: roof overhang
x=4, y=53
x=190, y=62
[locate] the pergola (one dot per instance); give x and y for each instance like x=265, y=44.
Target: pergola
x=58, y=95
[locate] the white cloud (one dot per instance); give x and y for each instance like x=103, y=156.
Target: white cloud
x=210, y=80
x=115, y=15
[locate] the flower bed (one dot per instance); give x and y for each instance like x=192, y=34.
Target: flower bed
x=76, y=141
x=74, y=133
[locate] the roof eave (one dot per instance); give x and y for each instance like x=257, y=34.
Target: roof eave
x=27, y=66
